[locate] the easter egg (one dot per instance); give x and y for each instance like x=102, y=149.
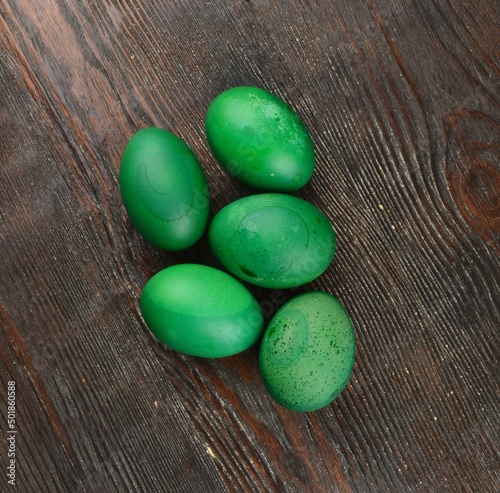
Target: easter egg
x=307, y=352
x=260, y=139
x=201, y=311
x=273, y=240
x=164, y=189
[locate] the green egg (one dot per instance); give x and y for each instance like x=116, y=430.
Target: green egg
x=164, y=189
x=201, y=311
x=273, y=240
x=307, y=352
x=259, y=139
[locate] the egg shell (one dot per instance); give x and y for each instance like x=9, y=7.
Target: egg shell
x=164, y=189
x=307, y=352
x=201, y=311
x=273, y=240
x=260, y=139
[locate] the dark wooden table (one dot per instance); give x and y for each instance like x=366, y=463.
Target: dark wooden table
x=402, y=99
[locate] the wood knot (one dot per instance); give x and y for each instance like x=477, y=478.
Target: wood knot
x=473, y=171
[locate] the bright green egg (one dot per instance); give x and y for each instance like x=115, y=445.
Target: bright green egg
x=164, y=189
x=273, y=240
x=307, y=352
x=201, y=311
x=259, y=139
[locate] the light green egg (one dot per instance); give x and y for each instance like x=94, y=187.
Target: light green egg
x=307, y=352
x=201, y=311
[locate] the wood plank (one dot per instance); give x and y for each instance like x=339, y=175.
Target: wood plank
x=402, y=102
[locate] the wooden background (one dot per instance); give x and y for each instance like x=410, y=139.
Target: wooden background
x=402, y=99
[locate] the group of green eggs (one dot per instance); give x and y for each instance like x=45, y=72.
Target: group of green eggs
x=271, y=239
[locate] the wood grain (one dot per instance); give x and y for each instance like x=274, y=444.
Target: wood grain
x=402, y=100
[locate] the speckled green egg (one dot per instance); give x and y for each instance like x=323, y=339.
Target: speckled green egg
x=201, y=311
x=273, y=240
x=307, y=352
x=164, y=189
x=260, y=139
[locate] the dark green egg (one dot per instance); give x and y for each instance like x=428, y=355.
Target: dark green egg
x=307, y=352
x=273, y=240
x=259, y=139
x=164, y=189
